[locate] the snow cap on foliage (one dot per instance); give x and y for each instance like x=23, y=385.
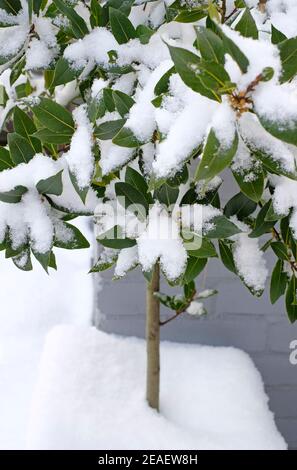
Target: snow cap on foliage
x=161, y=240
x=80, y=156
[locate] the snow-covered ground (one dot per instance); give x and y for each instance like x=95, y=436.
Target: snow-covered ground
x=90, y=395
x=30, y=305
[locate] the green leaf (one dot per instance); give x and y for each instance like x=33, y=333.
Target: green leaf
x=54, y=117
x=20, y=149
x=78, y=25
x=227, y=256
x=23, y=260
x=123, y=102
x=180, y=177
x=51, y=185
x=104, y=262
x=62, y=74
x=96, y=18
x=126, y=138
x=236, y=54
x=13, y=196
x=133, y=198
x=205, y=248
x=136, y=180
x=73, y=240
x=291, y=304
x=203, y=77
x=194, y=267
x=46, y=136
x=82, y=192
x=43, y=259
x=24, y=126
x=144, y=33
x=114, y=238
x=271, y=215
x=166, y=194
x=109, y=129
x=278, y=282
x=108, y=99
x=261, y=225
x=192, y=15
x=5, y=160
x=17, y=70
x=288, y=55
x=223, y=228
x=11, y=6
x=210, y=45
x=239, y=205
x=283, y=130
x=122, y=5
x=276, y=35
x=280, y=250
x=269, y=162
x=52, y=261
x=246, y=26
x=163, y=84
x=121, y=26
x=252, y=188
x=216, y=156
x=3, y=96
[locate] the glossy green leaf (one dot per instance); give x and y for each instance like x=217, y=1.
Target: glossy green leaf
x=291, y=303
x=20, y=149
x=227, y=256
x=194, y=267
x=6, y=162
x=24, y=126
x=126, y=138
x=122, y=102
x=51, y=185
x=121, y=26
x=166, y=194
x=74, y=239
x=261, y=225
x=14, y=196
x=252, y=188
x=223, y=228
x=278, y=282
x=11, y=6
x=132, y=198
x=62, y=73
x=78, y=24
x=246, y=26
x=240, y=206
x=215, y=157
x=210, y=45
x=191, y=16
x=55, y=117
x=109, y=129
x=114, y=238
x=288, y=55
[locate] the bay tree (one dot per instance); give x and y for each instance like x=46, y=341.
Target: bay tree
x=133, y=112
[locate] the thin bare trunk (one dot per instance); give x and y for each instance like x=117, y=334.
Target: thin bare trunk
x=153, y=340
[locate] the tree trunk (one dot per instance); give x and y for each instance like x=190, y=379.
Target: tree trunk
x=153, y=340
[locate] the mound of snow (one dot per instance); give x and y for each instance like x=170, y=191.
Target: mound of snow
x=90, y=395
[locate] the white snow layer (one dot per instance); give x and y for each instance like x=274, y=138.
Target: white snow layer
x=90, y=395
x=32, y=303
x=80, y=157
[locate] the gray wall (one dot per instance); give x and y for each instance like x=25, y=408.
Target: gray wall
x=235, y=318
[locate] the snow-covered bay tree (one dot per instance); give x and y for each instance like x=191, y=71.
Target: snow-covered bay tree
x=130, y=111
